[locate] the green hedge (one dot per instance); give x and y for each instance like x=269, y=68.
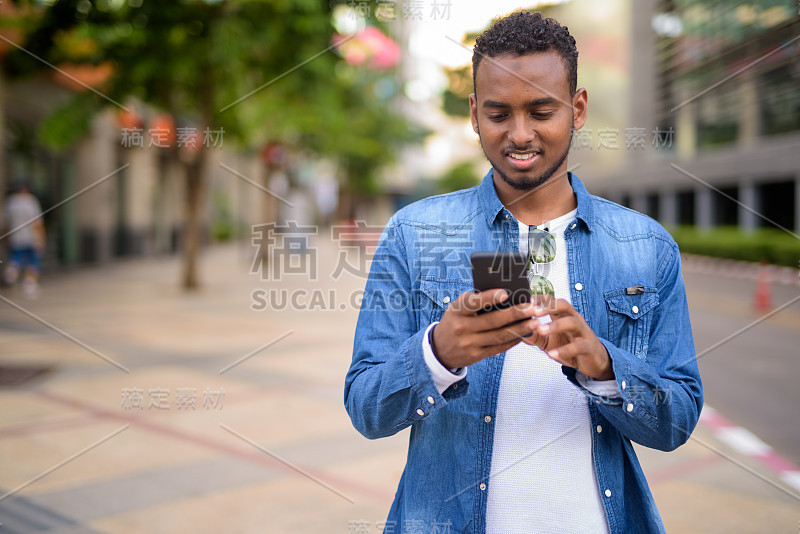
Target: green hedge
x=775, y=246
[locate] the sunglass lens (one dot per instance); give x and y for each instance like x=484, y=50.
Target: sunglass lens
x=540, y=285
x=542, y=246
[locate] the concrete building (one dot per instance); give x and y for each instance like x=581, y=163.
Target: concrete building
x=108, y=197
x=715, y=89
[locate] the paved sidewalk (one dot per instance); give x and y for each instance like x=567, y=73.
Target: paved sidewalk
x=166, y=412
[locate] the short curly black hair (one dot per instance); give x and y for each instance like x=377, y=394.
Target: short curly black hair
x=525, y=32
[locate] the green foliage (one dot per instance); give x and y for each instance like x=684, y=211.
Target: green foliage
x=198, y=60
x=455, y=99
x=773, y=245
x=222, y=223
x=69, y=123
x=459, y=176
x=455, y=105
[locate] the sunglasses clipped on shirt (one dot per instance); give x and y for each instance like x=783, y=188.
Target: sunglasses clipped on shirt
x=541, y=251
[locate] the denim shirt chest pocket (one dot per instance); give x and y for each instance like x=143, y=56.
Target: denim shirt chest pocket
x=436, y=295
x=629, y=317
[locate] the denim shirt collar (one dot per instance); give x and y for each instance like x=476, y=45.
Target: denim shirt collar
x=492, y=206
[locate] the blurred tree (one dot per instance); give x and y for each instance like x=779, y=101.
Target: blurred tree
x=258, y=69
x=460, y=176
x=455, y=100
x=14, y=22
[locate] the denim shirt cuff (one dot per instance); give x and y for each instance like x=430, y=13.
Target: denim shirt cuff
x=422, y=380
x=633, y=395
x=443, y=377
x=571, y=374
x=621, y=372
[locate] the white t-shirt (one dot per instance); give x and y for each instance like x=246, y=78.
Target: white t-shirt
x=22, y=208
x=542, y=477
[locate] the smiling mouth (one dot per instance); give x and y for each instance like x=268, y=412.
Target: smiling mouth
x=521, y=157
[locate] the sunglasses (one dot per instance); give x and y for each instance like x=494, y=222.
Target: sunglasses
x=541, y=251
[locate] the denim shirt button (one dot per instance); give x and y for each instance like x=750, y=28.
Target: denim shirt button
x=629, y=407
x=430, y=400
x=446, y=300
x=578, y=286
x=573, y=226
x=508, y=216
x=599, y=429
x=483, y=486
x=608, y=493
x=421, y=413
x=635, y=309
x=623, y=385
x=488, y=418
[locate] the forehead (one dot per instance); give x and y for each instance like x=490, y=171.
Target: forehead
x=509, y=76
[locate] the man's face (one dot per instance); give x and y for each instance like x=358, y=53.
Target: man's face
x=524, y=115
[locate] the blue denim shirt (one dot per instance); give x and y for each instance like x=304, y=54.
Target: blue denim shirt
x=625, y=280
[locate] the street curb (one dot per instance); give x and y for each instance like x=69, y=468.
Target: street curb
x=746, y=270
x=748, y=444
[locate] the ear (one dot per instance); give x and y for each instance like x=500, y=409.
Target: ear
x=580, y=108
x=473, y=112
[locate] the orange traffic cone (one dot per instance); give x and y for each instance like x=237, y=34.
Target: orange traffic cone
x=762, y=302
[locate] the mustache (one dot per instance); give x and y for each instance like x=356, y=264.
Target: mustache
x=528, y=148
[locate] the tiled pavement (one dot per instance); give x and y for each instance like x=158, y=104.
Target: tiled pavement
x=190, y=441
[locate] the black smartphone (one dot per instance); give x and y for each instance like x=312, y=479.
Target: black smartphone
x=505, y=270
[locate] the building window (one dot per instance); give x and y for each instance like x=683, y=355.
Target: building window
x=777, y=203
x=685, y=205
x=652, y=205
x=780, y=100
x=718, y=115
x=725, y=210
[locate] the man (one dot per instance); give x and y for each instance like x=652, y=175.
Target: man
x=525, y=427
x=26, y=240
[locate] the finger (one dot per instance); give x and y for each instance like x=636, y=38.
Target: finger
x=476, y=349
x=569, y=353
x=565, y=325
x=535, y=340
x=471, y=303
x=506, y=333
x=538, y=339
x=494, y=350
x=547, y=305
x=569, y=362
x=502, y=318
x=518, y=331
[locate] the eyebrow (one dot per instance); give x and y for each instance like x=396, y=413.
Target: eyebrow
x=532, y=103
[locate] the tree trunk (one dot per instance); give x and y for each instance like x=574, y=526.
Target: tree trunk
x=3, y=184
x=269, y=211
x=191, y=237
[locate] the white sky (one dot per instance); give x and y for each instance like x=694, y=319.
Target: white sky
x=430, y=38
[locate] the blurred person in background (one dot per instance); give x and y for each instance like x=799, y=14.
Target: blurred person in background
x=24, y=227
x=522, y=418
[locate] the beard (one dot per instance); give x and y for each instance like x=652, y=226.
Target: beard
x=529, y=181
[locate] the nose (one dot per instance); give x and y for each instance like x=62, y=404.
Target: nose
x=521, y=132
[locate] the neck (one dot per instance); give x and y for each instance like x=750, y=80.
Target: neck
x=544, y=203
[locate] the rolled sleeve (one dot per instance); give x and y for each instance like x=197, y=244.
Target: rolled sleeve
x=442, y=377
x=390, y=384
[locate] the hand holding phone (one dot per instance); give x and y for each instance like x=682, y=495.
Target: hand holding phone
x=502, y=270
x=466, y=334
